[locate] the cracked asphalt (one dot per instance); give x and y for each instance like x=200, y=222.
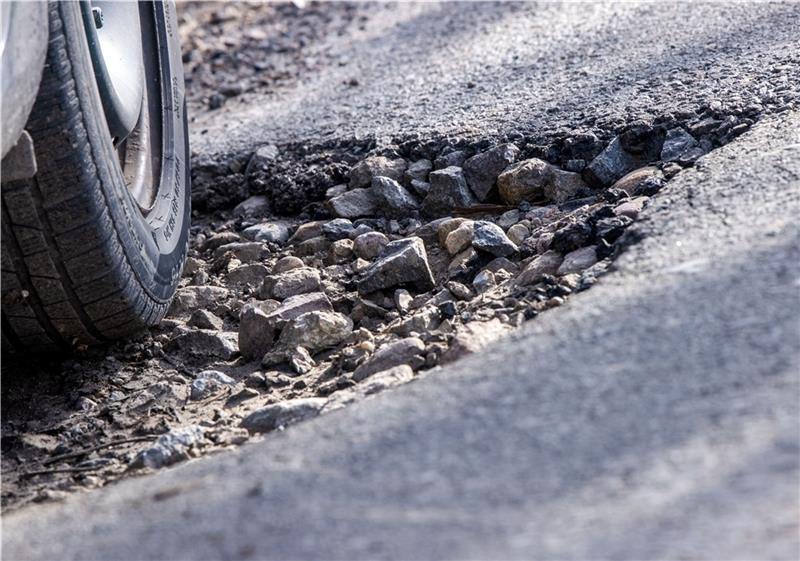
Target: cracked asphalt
x=654, y=416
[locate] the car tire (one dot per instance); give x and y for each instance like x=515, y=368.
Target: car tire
x=83, y=259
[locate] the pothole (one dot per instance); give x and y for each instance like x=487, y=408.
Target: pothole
x=341, y=271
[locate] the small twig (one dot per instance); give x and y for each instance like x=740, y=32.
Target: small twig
x=85, y=451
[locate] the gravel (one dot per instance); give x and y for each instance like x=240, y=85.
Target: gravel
x=510, y=224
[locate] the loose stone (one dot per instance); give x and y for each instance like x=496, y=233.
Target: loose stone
x=489, y=237
x=338, y=229
x=287, y=263
x=316, y=331
x=418, y=171
x=169, y=448
x=518, y=233
x=283, y=414
x=448, y=190
x=205, y=320
x=545, y=264
x=524, y=181
x=290, y=283
x=275, y=232
x=401, y=262
x=631, y=208
x=393, y=198
x=481, y=171
x=611, y=164
x=389, y=356
x=460, y=238
x=209, y=382
x=354, y=204
x=362, y=173
x=205, y=342
x=578, y=260
x=369, y=245
x=256, y=331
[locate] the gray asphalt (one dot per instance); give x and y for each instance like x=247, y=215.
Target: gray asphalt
x=534, y=67
x=655, y=416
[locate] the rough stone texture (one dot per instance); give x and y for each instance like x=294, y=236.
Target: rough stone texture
x=578, y=260
x=481, y=170
x=256, y=331
x=191, y=298
x=362, y=173
x=448, y=190
x=354, y=204
x=681, y=147
x=421, y=188
x=294, y=306
x=338, y=229
x=208, y=382
x=489, y=237
x=251, y=275
x=169, y=448
x=391, y=355
x=483, y=281
x=315, y=246
x=445, y=226
x=393, y=199
x=450, y=158
x=473, y=337
x=460, y=238
x=563, y=185
x=401, y=262
x=463, y=263
x=631, y=208
x=524, y=181
x=611, y=164
x=275, y=232
x=316, y=330
x=752, y=54
x=341, y=251
x=206, y=342
x=517, y=233
x=369, y=245
x=418, y=171
x=220, y=238
x=205, y=320
x=252, y=207
x=509, y=218
x=246, y=252
x=307, y=231
x=545, y=264
x=572, y=236
x=287, y=263
x=283, y=414
x=291, y=283
x=632, y=182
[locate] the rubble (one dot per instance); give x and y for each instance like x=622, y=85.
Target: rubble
x=409, y=258
x=401, y=262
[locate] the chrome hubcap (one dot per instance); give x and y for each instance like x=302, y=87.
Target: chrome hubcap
x=122, y=42
x=115, y=44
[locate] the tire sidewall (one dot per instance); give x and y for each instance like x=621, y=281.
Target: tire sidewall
x=154, y=245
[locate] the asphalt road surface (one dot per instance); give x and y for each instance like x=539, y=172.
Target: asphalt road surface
x=654, y=416
x=485, y=69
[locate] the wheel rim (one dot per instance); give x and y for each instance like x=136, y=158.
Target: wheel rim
x=123, y=44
